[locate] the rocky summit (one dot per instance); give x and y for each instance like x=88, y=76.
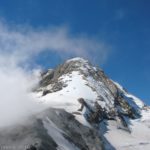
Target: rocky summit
x=84, y=110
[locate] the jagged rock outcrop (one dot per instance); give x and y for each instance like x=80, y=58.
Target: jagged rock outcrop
x=33, y=134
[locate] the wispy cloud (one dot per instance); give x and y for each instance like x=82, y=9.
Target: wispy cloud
x=20, y=44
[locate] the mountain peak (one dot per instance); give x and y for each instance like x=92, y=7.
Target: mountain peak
x=77, y=63
x=86, y=110
x=86, y=92
x=80, y=74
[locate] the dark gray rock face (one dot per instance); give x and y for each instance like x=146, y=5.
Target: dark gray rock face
x=33, y=134
x=26, y=137
x=83, y=137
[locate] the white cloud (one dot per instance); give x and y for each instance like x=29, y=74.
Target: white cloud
x=15, y=101
x=20, y=45
x=24, y=43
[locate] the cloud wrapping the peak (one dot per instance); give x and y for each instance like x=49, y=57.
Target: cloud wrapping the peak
x=21, y=44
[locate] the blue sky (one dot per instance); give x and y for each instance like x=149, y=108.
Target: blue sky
x=120, y=29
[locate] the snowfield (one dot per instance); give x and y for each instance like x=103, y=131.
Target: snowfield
x=138, y=139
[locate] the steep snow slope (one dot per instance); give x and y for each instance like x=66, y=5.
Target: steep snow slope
x=67, y=97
